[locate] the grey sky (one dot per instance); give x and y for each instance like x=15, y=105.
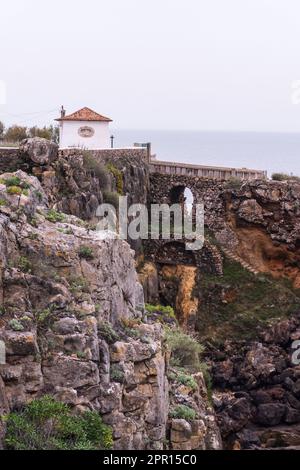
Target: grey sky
x=160, y=64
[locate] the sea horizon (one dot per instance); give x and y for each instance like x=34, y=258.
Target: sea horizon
x=270, y=151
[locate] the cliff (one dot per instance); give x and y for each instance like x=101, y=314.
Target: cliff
x=75, y=325
x=73, y=318
x=243, y=301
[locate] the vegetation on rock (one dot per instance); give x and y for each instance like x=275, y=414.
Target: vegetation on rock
x=185, y=350
x=237, y=304
x=284, y=177
x=106, y=330
x=16, y=325
x=46, y=424
x=55, y=216
x=183, y=412
x=14, y=190
x=164, y=314
x=118, y=177
x=112, y=198
x=233, y=183
x=99, y=170
x=86, y=252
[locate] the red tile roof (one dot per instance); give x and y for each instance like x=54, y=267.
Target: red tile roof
x=84, y=114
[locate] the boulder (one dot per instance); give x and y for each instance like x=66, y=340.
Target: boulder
x=40, y=151
x=270, y=414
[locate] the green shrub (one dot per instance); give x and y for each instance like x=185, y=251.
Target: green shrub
x=54, y=216
x=16, y=325
x=12, y=181
x=160, y=308
x=33, y=221
x=81, y=355
x=208, y=382
x=43, y=317
x=24, y=264
x=118, y=177
x=79, y=284
x=99, y=170
x=116, y=373
x=183, y=412
x=111, y=198
x=233, y=183
x=164, y=310
x=86, y=252
x=132, y=333
x=187, y=380
x=3, y=202
x=284, y=177
x=14, y=190
x=107, y=332
x=185, y=350
x=46, y=424
x=38, y=195
x=33, y=236
x=280, y=177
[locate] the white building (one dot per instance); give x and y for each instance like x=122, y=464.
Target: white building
x=84, y=128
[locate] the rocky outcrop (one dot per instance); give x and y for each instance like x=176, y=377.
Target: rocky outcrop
x=74, y=179
x=200, y=433
x=40, y=151
x=258, y=389
x=134, y=170
x=72, y=320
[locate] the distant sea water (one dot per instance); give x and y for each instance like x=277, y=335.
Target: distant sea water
x=274, y=152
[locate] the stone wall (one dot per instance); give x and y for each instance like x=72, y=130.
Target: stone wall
x=204, y=190
x=12, y=159
x=139, y=153
x=208, y=259
x=204, y=171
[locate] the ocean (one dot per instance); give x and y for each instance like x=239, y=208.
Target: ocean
x=274, y=152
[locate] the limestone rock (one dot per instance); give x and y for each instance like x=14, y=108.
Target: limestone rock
x=40, y=151
x=63, y=317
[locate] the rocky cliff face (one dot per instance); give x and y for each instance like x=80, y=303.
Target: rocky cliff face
x=253, y=317
x=247, y=310
x=257, y=389
x=262, y=226
x=72, y=317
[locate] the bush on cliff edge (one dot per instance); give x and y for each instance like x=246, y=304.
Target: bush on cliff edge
x=46, y=424
x=185, y=350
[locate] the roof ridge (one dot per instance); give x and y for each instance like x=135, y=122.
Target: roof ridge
x=85, y=114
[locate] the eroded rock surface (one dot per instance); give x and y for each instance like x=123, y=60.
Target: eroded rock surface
x=72, y=322
x=257, y=389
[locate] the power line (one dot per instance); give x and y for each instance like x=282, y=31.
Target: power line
x=32, y=113
x=30, y=116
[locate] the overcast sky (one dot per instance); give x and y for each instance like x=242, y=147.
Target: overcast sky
x=159, y=64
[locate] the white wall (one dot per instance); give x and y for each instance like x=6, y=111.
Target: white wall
x=69, y=136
